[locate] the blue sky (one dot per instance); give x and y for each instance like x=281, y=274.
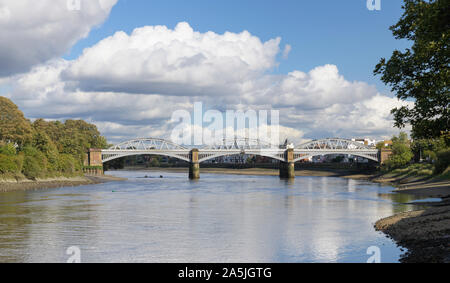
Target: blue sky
x=344, y=33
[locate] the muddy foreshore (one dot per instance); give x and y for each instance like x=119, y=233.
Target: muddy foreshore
x=424, y=233
x=22, y=185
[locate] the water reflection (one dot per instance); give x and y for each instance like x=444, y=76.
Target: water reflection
x=216, y=219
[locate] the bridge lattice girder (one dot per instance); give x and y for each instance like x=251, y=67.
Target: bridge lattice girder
x=152, y=146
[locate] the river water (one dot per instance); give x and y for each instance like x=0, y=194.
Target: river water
x=220, y=218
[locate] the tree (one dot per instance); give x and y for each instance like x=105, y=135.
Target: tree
x=8, y=164
x=53, y=129
x=43, y=148
x=380, y=145
x=8, y=149
x=45, y=145
x=71, y=137
x=79, y=136
x=401, y=152
x=429, y=148
x=68, y=164
x=34, y=164
x=442, y=161
x=422, y=72
x=14, y=128
x=155, y=162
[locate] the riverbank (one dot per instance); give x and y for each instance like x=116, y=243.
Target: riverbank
x=53, y=183
x=425, y=233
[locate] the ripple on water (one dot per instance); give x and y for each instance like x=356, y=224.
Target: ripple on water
x=220, y=218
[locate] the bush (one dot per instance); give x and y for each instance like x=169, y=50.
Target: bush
x=401, y=152
x=8, y=149
x=8, y=164
x=31, y=168
x=442, y=162
x=68, y=164
x=19, y=161
x=34, y=163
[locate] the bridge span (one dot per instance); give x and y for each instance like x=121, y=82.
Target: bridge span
x=194, y=156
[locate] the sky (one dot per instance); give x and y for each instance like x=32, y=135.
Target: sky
x=127, y=65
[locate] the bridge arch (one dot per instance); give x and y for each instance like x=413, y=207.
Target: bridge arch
x=146, y=146
x=335, y=146
x=204, y=156
x=117, y=156
x=237, y=146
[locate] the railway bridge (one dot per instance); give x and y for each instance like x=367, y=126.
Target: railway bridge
x=287, y=155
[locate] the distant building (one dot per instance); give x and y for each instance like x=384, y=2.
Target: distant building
x=231, y=159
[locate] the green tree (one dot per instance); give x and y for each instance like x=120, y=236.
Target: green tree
x=429, y=148
x=422, y=72
x=79, y=136
x=442, y=161
x=68, y=164
x=71, y=137
x=34, y=164
x=155, y=162
x=8, y=164
x=14, y=128
x=45, y=145
x=401, y=152
x=54, y=130
x=380, y=145
x=8, y=149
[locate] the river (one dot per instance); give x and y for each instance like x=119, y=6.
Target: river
x=220, y=218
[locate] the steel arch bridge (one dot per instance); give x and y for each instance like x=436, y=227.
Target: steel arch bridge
x=155, y=146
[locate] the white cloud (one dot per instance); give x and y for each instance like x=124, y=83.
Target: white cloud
x=321, y=87
x=32, y=32
x=42, y=93
x=286, y=51
x=155, y=59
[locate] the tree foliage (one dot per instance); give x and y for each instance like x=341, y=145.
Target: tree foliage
x=421, y=73
x=8, y=149
x=401, y=152
x=71, y=137
x=442, y=161
x=35, y=163
x=13, y=125
x=8, y=164
x=428, y=149
x=43, y=148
